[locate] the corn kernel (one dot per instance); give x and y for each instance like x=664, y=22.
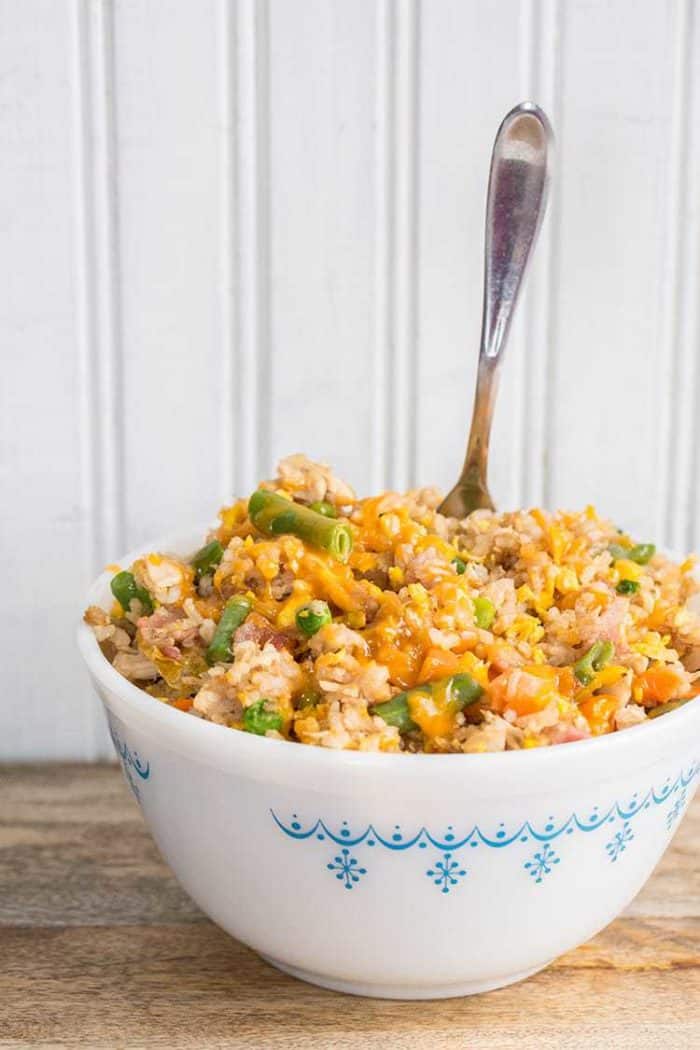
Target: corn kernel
x=628, y=570
x=531, y=740
x=418, y=593
x=567, y=581
x=396, y=576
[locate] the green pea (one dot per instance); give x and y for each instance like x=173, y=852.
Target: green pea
x=322, y=506
x=205, y=560
x=484, y=613
x=627, y=587
x=460, y=566
x=260, y=719
x=598, y=656
x=313, y=617
x=232, y=617
x=125, y=589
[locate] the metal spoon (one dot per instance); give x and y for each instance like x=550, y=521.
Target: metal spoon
x=517, y=197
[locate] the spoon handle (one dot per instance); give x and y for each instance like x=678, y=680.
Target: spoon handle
x=517, y=197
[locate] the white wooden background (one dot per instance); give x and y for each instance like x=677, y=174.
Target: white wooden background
x=233, y=230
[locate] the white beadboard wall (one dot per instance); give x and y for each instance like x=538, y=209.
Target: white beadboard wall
x=231, y=230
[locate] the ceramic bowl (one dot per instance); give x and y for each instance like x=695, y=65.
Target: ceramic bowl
x=401, y=876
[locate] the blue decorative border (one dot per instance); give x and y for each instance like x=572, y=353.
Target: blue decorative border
x=448, y=870
x=450, y=842
x=131, y=763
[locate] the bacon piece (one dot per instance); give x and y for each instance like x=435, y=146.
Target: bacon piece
x=257, y=629
x=566, y=734
x=167, y=629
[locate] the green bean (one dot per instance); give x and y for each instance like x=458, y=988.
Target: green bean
x=322, y=506
x=126, y=590
x=484, y=613
x=460, y=566
x=670, y=705
x=598, y=656
x=627, y=587
x=232, y=617
x=205, y=560
x=461, y=689
x=641, y=554
x=312, y=617
x=259, y=719
x=274, y=515
x=308, y=698
x=395, y=711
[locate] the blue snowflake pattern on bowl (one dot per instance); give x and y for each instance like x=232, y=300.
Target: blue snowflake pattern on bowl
x=619, y=842
x=542, y=863
x=446, y=871
x=347, y=869
x=676, y=809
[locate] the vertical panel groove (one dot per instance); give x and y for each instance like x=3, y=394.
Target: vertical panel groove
x=526, y=441
x=98, y=281
x=553, y=30
x=676, y=428
x=542, y=81
x=690, y=505
x=229, y=368
x=383, y=238
x=402, y=269
x=413, y=292
x=264, y=282
x=254, y=379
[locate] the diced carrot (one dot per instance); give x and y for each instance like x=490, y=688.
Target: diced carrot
x=438, y=663
x=598, y=712
x=183, y=704
x=403, y=660
x=566, y=681
x=523, y=691
x=661, y=683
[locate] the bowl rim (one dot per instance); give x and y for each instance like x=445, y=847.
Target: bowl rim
x=675, y=723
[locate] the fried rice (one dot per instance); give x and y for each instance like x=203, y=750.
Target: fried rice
x=379, y=625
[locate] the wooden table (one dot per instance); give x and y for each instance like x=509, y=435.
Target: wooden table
x=100, y=948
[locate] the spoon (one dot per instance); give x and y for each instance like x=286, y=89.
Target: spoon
x=517, y=198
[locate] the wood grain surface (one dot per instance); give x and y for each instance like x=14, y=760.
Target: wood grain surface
x=100, y=948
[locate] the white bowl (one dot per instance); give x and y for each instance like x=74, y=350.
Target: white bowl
x=402, y=876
